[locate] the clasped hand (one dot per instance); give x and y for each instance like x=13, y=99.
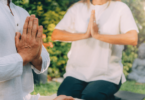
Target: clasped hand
x=93, y=29
x=29, y=44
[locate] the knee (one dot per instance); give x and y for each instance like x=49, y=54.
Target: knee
x=70, y=92
x=63, y=91
x=94, y=96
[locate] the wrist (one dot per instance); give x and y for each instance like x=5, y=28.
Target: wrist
x=96, y=36
x=85, y=36
x=25, y=58
x=37, y=59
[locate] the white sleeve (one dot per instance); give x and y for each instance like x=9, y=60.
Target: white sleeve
x=67, y=23
x=127, y=22
x=10, y=67
x=45, y=61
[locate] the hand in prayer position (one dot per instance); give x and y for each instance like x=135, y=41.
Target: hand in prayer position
x=94, y=27
x=29, y=44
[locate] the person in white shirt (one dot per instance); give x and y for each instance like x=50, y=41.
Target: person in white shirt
x=20, y=50
x=98, y=30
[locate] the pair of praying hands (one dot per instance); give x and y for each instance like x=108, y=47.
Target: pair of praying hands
x=92, y=27
x=29, y=44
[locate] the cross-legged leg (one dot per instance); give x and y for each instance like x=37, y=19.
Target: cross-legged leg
x=100, y=90
x=71, y=87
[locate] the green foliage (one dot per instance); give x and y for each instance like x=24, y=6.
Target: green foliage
x=50, y=12
x=128, y=57
x=132, y=86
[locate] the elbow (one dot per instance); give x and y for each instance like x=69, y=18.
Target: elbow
x=134, y=42
x=133, y=36
x=53, y=38
x=54, y=35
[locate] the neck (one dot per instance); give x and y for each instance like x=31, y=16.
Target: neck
x=8, y=3
x=98, y=2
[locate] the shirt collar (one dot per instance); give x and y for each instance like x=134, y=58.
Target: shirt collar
x=103, y=5
x=5, y=1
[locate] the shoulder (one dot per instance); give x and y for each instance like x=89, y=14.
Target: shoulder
x=22, y=10
x=120, y=5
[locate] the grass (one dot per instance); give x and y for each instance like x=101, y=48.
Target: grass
x=52, y=87
x=46, y=89
x=133, y=87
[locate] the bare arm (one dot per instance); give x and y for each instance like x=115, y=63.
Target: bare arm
x=67, y=36
x=129, y=38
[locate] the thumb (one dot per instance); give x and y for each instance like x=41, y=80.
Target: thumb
x=17, y=38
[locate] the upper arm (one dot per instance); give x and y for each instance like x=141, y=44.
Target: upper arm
x=67, y=23
x=127, y=22
x=132, y=32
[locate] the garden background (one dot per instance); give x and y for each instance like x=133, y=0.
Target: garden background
x=50, y=12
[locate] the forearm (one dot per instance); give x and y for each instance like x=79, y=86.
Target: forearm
x=42, y=64
x=67, y=36
x=120, y=39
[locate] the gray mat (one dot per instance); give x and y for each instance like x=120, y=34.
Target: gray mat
x=124, y=95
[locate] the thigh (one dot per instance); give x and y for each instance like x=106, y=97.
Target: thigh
x=71, y=87
x=100, y=90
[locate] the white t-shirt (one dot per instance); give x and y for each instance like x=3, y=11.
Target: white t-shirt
x=91, y=59
x=16, y=80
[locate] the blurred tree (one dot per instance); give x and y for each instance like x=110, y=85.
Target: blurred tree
x=50, y=12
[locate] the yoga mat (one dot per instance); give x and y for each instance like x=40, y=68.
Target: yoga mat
x=124, y=95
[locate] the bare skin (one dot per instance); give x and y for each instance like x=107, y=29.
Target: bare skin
x=29, y=43
x=129, y=38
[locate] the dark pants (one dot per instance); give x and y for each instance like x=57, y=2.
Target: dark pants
x=96, y=90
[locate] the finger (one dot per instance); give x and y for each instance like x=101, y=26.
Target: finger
x=17, y=38
x=94, y=19
x=35, y=28
x=30, y=25
x=33, y=15
x=40, y=32
x=91, y=19
x=25, y=27
x=90, y=22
